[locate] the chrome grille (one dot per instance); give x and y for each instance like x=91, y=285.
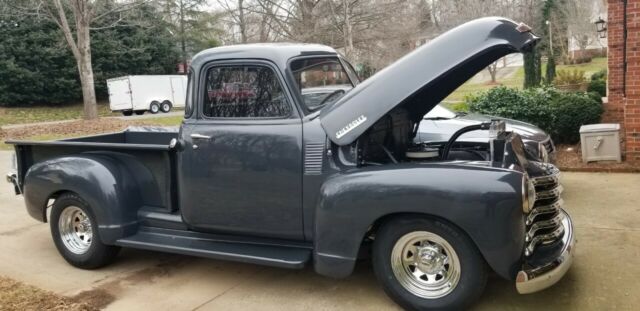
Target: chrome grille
x=544, y=222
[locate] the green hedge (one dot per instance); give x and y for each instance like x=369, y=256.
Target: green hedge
x=598, y=83
x=558, y=113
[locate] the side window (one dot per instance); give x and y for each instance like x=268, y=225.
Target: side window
x=244, y=92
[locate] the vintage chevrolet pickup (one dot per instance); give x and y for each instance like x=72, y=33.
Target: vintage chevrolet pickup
x=265, y=171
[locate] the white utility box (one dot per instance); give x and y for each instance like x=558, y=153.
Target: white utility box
x=600, y=142
x=155, y=94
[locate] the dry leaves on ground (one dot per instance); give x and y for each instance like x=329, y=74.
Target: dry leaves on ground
x=70, y=129
x=17, y=296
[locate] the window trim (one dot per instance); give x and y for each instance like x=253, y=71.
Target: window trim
x=189, y=102
x=296, y=92
x=293, y=112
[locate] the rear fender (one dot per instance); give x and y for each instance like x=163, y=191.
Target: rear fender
x=483, y=202
x=105, y=183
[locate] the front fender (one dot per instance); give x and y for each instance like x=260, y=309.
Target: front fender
x=102, y=181
x=484, y=202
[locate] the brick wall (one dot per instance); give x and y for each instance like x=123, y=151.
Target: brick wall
x=624, y=108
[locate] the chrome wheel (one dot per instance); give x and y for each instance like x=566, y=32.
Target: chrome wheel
x=75, y=230
x=425, y=264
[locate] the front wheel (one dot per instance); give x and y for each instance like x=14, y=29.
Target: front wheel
x=426, y=264
x=75, y=233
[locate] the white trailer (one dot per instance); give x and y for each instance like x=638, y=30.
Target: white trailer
x=138, y=94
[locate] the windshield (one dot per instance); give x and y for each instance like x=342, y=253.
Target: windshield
x=440, y=112
x=321, y=81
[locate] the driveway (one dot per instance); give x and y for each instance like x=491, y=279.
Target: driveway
x=605, y=209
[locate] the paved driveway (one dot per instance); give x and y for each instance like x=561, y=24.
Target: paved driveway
x=605, y=209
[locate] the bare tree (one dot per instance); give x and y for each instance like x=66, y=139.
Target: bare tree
x=493, y=71
x=579, y=17
x=75, y=19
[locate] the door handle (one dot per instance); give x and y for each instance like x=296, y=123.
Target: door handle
x=200, y=136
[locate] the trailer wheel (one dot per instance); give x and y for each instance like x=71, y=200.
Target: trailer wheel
x=166, y=106
x=75, y=233
x=426, y=264
x=127, y=113
x=154, y=107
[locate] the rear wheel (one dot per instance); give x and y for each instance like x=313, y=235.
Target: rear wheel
x=127, y=113
x=75, y=233
x=166, y=106
x=154, y=107
x=428, y=264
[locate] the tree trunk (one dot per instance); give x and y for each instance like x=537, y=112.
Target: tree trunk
x=88, y=88
x=348, y=31
x=85, y=69
x=183, y=43
x=242, y=22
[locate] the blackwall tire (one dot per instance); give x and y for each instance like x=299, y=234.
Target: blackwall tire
x=444, y=256
x=75, y=233
x=166, y=106
x=154, y=107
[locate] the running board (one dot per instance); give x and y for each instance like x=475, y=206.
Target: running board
x=268, y=255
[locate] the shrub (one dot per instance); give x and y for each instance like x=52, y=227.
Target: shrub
x=558, y=113
x=459, y=107
x=598, y=86
x=573, y=110
x=569, y=78
x=599, y=75
x=598, y=83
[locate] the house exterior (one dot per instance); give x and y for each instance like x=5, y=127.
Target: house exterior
x=623, y=97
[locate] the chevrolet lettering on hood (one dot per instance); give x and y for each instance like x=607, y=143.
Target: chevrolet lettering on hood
x=353, y=124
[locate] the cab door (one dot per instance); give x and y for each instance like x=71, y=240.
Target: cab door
x=242, y=162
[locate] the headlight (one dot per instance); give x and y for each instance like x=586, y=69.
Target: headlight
x=528, y=194
x=543, y=153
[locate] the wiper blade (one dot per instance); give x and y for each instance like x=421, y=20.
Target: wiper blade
x=438, y=118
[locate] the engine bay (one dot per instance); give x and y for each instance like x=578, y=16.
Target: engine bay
x=391, y=140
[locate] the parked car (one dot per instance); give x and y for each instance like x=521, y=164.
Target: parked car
x=268, y=180
x=440, y=123
x=153, y=93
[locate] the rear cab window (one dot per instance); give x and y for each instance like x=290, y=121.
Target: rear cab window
x=320, y=81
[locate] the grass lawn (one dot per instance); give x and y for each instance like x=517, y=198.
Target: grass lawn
x=517, y=79
x=35, y=114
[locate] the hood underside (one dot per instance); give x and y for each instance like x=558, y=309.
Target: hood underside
x=421, y=79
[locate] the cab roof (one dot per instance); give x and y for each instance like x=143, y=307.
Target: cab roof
x=278, y=53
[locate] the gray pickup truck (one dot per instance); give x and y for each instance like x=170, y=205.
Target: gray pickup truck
x=265, y=171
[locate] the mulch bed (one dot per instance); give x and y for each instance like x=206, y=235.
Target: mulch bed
x=569, y=158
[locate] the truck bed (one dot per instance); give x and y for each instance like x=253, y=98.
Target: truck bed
x=147, y=146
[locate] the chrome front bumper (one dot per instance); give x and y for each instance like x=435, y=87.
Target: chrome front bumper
x=539, y=278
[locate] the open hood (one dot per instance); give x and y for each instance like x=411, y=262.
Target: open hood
x=421, y=79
